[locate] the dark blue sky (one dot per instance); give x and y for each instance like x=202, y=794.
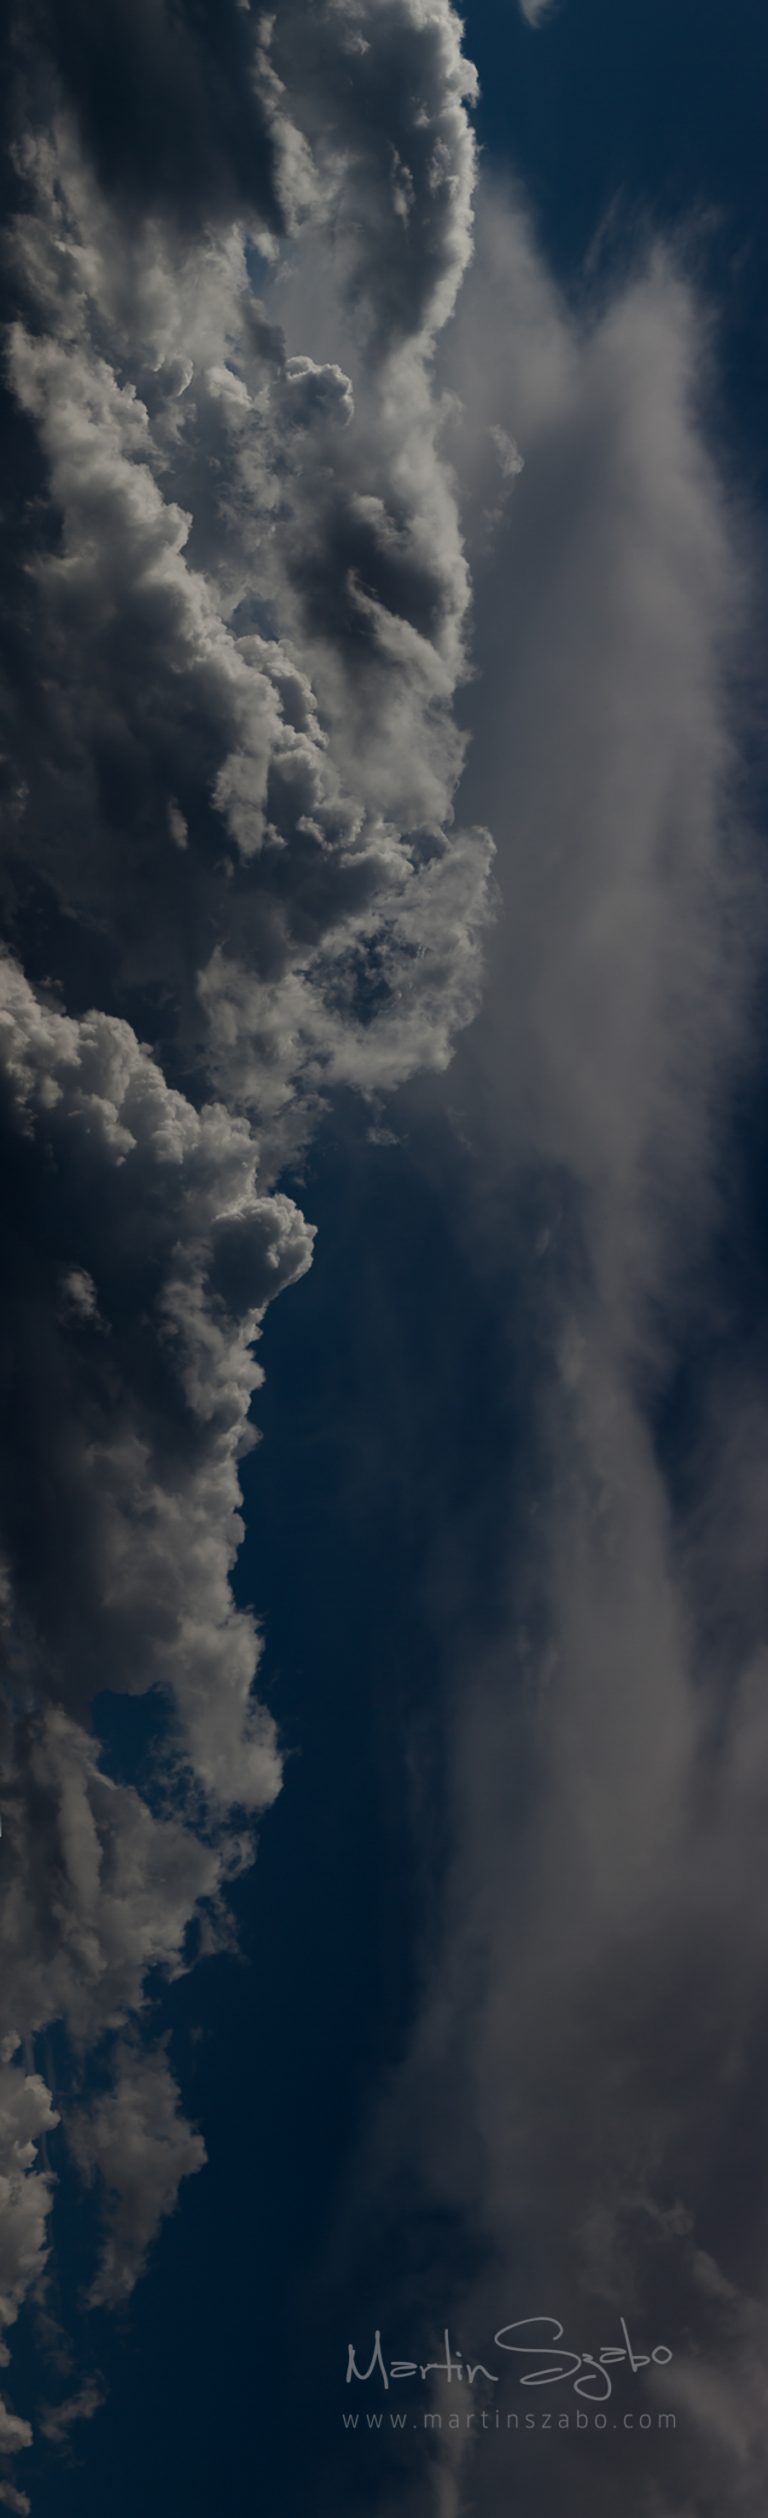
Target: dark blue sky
x=654, y=113
x=392, y=1421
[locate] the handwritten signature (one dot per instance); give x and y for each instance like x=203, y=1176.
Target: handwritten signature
x=589, y=2372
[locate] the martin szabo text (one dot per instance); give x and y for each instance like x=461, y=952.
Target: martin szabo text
x=534, y=2342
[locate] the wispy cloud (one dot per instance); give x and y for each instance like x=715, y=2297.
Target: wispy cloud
x=591, y=2038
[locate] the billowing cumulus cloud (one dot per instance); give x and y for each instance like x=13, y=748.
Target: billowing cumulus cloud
x=179, y=1254
x=252, y=620
x=237, y=605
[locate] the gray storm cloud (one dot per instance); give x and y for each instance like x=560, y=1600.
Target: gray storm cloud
x=232, y=880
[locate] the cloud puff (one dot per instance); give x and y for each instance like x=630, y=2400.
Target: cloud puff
x=379, y=90
x=26, y=2115
x=98, y=1889
x=137, y=2142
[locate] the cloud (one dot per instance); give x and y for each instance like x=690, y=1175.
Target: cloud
x=159, y=1204
x=14, y=2434
x=302, y=734
x=401, y=197
x=589, y=2049
x=98, y=1890
x=10, y=2498
x=172, y=116
x=238, y=601
x=58, y=2420
x=629, y=894
x=26, y=2115
x=260, y=463
x=137, y=2141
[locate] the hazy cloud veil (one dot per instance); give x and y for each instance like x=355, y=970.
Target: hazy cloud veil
x=587, y=2069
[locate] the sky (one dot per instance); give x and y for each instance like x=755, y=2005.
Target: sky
x=384, y=1726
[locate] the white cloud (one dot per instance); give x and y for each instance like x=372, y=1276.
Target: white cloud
x=592, y=2027
x=620, y=579
x=311, y=772
x=241, y=628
